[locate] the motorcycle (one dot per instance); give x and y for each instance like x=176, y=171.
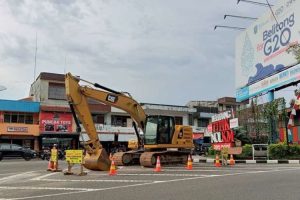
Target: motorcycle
x=46, y=155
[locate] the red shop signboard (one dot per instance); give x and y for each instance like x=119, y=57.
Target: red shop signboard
x=56, y=122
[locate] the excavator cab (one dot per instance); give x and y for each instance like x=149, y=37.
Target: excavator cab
x=159, y=130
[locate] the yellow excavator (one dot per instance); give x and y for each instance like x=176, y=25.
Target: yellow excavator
x=161, y=137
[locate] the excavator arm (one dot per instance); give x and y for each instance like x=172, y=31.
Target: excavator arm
x=77, y=95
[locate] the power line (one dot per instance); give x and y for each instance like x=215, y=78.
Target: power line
x=229, y=27
x=242, y=17
x=254, y=2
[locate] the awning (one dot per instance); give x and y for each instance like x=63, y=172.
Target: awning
x=197, y=136
x=109, y=137
x=102, y=137
x=126, y=137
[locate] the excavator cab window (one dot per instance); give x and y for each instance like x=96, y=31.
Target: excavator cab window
x=166, y=126
x=159, y=130
x=150, y=135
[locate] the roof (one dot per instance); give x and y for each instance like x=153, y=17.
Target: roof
x=55, y=109
x=51, y=76
x=19, y=106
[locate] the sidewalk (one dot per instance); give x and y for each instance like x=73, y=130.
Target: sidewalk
x=202, y=159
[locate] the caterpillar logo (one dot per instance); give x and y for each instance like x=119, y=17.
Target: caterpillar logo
x=112, y=98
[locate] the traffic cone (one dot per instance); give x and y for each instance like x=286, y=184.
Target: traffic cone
x=217, y=163
x=231, y=161
x=112, y=170
x=189, y=163
x=50, y=165
x=157, y=167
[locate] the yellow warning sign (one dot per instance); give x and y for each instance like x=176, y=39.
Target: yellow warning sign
x=53, y=155
x=74, y=156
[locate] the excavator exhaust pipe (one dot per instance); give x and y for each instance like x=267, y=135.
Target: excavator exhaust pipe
x=97, y=161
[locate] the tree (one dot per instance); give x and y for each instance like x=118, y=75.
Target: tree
x=295, y=49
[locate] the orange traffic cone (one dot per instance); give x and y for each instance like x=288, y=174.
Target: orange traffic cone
x=189, y=163
x=217, y=163
x=50, y=165
x=157, y=167
x=231, y=161
x=112, y=170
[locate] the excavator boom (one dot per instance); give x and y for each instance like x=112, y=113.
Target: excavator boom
x=77, y=95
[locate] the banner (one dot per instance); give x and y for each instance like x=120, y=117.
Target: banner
x=56, y=122
x=261, y=49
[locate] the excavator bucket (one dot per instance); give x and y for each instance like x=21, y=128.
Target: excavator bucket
x=97, y=161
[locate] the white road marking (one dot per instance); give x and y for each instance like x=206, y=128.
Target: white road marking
x=43, y=188
x=16, y=176
x=7, y=174
x=135, y=185
x=108, y=180
x=43, y=176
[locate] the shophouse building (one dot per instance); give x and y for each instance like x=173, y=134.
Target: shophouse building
x=56, y=123
x=19, y=123
x=55, y=118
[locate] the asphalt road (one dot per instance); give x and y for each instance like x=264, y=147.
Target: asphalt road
x=21, y=179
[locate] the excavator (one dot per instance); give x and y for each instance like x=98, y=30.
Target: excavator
x=161, y=137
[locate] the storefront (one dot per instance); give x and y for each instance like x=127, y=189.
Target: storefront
x=56, y=128
x=112, y=138
x=19, y=123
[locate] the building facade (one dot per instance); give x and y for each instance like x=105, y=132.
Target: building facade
x=19, y=123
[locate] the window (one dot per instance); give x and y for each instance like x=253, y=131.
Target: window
x=14, y=118
x=119, y=120
x=29, y=119
x=98, y=118
x=203, y=122
x=56, y=91
x=15, y=147
x=151, y=130
x=21, y=118
x=4, y=146
x=7, y=118
x=178, y=120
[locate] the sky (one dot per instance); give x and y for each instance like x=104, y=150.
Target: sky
x=160, y=51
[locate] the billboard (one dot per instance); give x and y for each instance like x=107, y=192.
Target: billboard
x=261, y=48
x=56, y=122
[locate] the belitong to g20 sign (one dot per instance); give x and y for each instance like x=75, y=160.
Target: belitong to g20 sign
x=222, y=135
x=261, y=50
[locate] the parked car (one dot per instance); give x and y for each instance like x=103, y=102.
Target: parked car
x=14, y=150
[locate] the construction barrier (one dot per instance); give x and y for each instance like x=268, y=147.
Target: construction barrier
x=74, y=157
x=53, y=162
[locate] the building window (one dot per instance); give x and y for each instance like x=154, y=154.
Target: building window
x=98, y=118
x=7, y=118
x=57, y=91
x=119, y=120
x=22, y=118
x=203, y=122
x=178, y=120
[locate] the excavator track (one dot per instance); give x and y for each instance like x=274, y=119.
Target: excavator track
x=127, y=158
x=148, y=159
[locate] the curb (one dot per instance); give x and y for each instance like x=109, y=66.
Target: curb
x=255, y=161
